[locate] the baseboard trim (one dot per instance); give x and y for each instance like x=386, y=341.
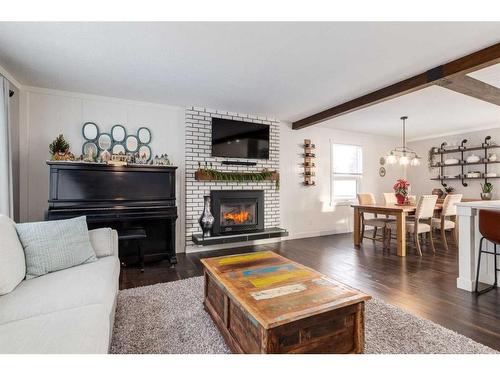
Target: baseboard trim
x=465, y=284
x=296, y=236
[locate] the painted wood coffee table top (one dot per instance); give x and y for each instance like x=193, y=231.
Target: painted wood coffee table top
x=276, y=290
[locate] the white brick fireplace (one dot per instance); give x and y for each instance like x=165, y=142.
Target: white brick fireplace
x=198, y=149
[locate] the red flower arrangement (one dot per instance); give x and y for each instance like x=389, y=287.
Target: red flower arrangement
x=401, y=190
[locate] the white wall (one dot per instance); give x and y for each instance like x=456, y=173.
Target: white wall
x=420, y=177
x=306, y=210
x=47, y=113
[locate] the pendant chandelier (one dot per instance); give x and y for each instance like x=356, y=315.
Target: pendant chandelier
x=403, y=155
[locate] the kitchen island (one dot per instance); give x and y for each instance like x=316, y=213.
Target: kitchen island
x=468, y=247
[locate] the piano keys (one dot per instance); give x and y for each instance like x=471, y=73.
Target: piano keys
x=120, y=198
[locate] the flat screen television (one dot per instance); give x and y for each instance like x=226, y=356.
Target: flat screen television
x=239, y=139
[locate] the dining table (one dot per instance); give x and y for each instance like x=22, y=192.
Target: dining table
x=399, y=212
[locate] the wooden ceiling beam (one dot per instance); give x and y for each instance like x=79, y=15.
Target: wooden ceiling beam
x=475, y=61
x=466, y=85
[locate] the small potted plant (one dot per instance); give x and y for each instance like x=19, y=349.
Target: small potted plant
x=487, y=188
x=401, y=190
x=59, y=149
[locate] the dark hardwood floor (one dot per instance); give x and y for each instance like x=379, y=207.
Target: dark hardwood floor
x=424, y=286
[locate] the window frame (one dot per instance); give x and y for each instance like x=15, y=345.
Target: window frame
x=338, y=176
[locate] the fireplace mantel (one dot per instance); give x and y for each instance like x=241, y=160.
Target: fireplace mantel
x=207, y=175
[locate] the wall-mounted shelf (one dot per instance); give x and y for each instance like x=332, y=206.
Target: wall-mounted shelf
x=462, y=163
x=463, y=178
x=465, y=149
x=459, y=164
x=309, y=165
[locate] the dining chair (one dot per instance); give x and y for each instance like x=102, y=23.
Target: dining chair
x=412, y=199
x=423, y=212
x=390, y=198
x=376, y=222
x=443, y=223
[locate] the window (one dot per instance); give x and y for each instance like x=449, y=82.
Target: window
x=347, y=165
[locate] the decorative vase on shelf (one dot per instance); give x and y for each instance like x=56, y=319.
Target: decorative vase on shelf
x=206, y=219
x=439, y=192
x=486, y=196
x=473, y=159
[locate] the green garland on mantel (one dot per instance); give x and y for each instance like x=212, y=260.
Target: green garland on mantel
x=214, y=175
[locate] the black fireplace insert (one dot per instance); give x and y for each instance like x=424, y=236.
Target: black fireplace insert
x=237, y=211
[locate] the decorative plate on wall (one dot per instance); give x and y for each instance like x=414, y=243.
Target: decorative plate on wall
x=382, y=160
x=131, y=143
x=118, y=133
x=104, y=141
x=89, y=148
x=145, y=151
x=381, y=172
x=117, y=141
x=90, y=131
x=118, y=148
x=144, y=135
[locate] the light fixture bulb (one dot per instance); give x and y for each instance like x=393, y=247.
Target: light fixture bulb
x=391, y=159
x=404, y=160
x=403, y=155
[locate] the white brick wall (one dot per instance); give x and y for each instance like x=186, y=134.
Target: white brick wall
x=199, y=149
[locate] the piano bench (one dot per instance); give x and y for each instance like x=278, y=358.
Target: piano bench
x=135, y=234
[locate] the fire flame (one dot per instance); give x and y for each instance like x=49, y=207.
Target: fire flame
x=239, y=217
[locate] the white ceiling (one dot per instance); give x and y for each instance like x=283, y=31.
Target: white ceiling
x=490, y=75
x=431, y=112
x=282, y=70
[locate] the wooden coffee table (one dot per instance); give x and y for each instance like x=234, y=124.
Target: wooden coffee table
x=265, y=303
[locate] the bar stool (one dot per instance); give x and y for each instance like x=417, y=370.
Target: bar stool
x=488, y=227
x=134, y=234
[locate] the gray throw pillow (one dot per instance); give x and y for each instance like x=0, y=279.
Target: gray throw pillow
x=55, y=245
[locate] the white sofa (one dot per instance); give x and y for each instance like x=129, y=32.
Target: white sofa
x=68, y=311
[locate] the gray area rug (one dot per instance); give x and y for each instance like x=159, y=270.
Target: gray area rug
x=169, y=318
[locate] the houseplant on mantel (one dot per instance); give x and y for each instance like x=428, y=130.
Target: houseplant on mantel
x=486, y=190
x=401, y=190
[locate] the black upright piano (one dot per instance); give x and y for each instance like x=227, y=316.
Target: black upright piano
x=120, y=198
